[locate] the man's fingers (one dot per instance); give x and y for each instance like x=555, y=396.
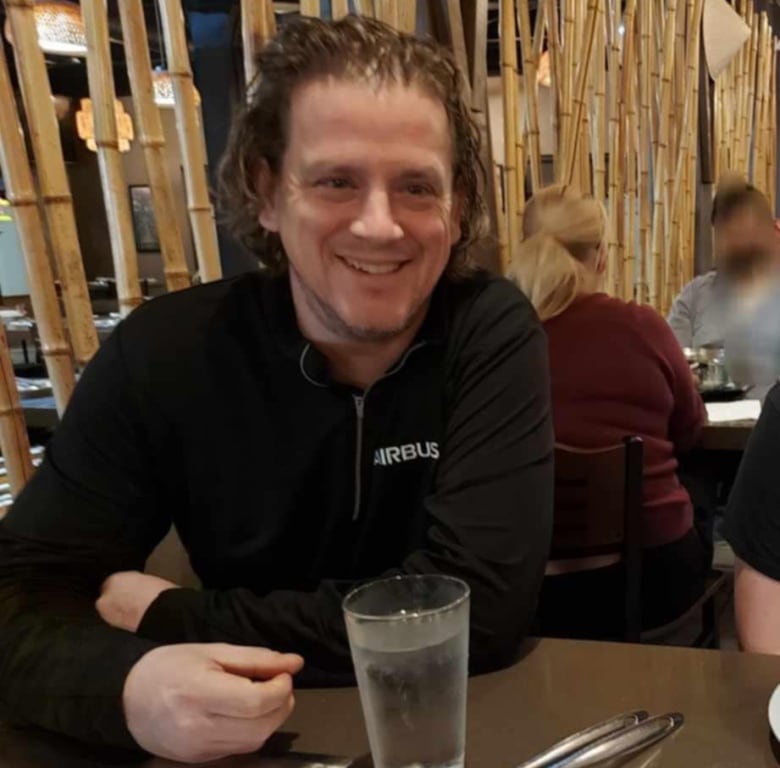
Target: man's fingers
x=238, y=735
x=251, y=662
x=238, y=697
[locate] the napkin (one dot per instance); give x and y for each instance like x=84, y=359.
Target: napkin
x=737, y=410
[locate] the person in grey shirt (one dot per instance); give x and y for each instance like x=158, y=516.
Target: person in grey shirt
x=737, y=305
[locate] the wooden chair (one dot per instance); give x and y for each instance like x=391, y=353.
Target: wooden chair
x=598, y=501
x=598, y=505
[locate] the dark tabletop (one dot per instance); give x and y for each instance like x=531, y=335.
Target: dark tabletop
x=559, y=687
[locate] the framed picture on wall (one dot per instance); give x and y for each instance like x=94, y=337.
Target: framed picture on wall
x=144, y=225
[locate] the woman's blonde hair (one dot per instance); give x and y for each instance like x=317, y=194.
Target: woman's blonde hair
x=561, y=227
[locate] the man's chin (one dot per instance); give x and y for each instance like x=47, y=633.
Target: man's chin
x=376, y=331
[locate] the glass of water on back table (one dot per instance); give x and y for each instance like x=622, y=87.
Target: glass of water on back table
x=409, y=637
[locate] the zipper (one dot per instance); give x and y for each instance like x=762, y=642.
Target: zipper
x=359, y=410
x=360, y=402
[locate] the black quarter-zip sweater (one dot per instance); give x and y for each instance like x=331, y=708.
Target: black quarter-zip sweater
x=208, y=409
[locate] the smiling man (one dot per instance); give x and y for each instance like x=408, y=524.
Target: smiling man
x=367, y=404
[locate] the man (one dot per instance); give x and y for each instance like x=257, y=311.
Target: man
x=753, y=530
x=746, y=245
x=366, y=405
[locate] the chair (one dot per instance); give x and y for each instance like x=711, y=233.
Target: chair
x=598, y=501
x=598, y=505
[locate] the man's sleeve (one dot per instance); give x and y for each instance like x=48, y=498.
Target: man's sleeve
x=91, y=509
x=681, y=316
x=753, y=515
x=490, y=515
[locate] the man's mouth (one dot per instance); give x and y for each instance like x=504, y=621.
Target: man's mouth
x=373, y=267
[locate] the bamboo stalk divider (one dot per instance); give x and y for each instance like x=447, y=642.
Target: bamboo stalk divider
x=257, y=27
x=310, y=8
x=659, y=209
x=24, y=201
x=339, y=8
x=14, y=442
x=407, y=19
x=509, y=84
x=191, y=140
x=52, y=178
x=582, y=82
x=530, y=92
x=152, y=139
x=101, y=87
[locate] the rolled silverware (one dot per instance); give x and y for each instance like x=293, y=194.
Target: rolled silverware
x=622, y=743
x=578, y=741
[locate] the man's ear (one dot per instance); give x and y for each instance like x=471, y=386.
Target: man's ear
x=265, y=184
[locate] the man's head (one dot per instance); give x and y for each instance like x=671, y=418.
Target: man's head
x=746, y=239
x=356, y=166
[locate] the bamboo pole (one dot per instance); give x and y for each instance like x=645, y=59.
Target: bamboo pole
x=310, y=8
x=14, y=442
x=101, y=88
x=627, y=152
x=52, y=178
x=152, y=138
x=509, y=84
x=530, y=92
x=567, y=87
x=773, y=127
x=579, y=101
x=614, y=196
x=644, y=153
x=191, y=140
x=676, y=241
x=599, y=129
x=340, y=8
x=21, y=194
x=660, y=164
x=756, y=146
x=407, y=19
x=256, y=30
x=365, y=7
x=554, y=55
x=748, y=104
x=684, y=11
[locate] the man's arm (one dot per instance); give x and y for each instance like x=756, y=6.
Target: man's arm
x=89, y=510
x=681, y=316
x=757, y=608
x=753, y=530
x=490, y=516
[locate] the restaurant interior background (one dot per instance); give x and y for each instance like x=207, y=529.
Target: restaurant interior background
x=679, y=90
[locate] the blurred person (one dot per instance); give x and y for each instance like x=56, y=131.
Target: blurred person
x=616, y=370
x=367, y=404
x=736, y=306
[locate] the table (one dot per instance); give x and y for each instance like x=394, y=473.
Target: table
x=559, y=687
x=726, y=435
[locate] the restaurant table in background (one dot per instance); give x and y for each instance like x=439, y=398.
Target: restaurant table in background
x=559, y=687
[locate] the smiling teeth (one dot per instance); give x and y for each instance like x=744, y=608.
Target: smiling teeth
x=372, y=268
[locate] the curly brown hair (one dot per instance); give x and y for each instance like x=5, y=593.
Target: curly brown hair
x=355, y=48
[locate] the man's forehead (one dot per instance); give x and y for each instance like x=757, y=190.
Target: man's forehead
x=367, y=110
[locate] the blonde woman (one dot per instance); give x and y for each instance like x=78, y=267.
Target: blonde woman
x=616, y=370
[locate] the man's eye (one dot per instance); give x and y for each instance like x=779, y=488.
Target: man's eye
x=335, y=182
x=419, y=189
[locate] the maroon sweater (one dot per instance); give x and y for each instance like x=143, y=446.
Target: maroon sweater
x=618, y=370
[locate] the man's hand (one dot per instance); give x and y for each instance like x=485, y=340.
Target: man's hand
x=195, y=703
x=125, y=597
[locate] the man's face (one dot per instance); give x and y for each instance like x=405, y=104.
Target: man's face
x=746, y=243
x=364, y=206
